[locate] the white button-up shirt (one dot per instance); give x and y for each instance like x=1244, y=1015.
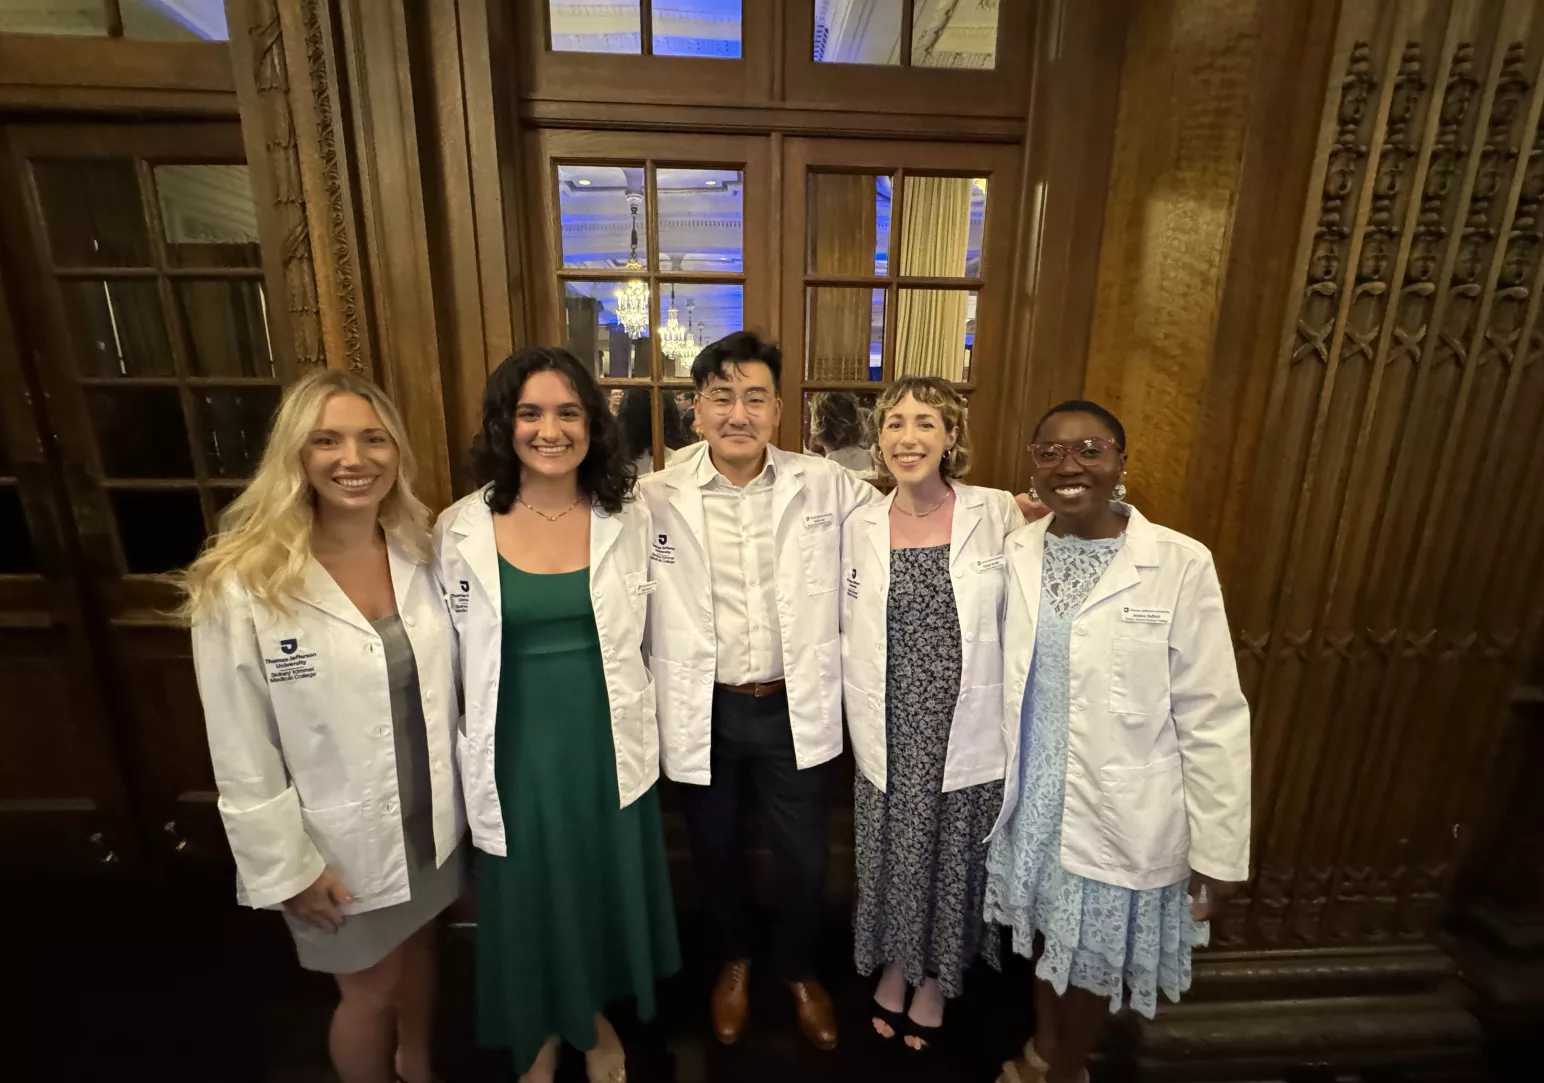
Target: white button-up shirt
x=743, y=574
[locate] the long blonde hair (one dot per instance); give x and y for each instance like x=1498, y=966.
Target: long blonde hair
x=936, y=392
x=264, y=540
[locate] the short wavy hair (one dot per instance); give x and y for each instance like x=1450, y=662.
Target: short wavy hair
x=938, y=393
x=606, y=475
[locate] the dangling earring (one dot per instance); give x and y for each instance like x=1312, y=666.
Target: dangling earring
x=1032, y=494
x=1119, y=492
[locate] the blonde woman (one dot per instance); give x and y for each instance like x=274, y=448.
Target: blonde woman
x=325, y=664
x=922, y=669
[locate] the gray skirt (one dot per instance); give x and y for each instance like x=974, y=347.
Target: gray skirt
x=365, y=939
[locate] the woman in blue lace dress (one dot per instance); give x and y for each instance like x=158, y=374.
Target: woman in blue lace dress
x=1126, y=797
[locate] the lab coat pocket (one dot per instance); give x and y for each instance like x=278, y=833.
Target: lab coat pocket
x=1143, y=815
x=342, y=834
x=1139, y=676
x=818, y=555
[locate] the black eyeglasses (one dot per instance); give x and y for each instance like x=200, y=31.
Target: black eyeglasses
x=1092, y=451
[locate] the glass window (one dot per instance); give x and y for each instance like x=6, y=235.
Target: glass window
x=117, y=327
x=935, y=331
x=140, y=432
x=226, y=320
x=235, y=423
x=839, y=425
x=936, y=239
x=207, y=215
x=174, y=20
x=159, y=530
x=584, y=26
x=846, y=333
x=850, y=33
x=848, y=230
x=701, y=214
x=93, y=213
x=597, y=335
x=696, y=28
x=704, y=313
x=951, y=34
x=602, y=216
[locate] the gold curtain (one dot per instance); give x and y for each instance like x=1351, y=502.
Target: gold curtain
x=841, y=242
x=930, y=324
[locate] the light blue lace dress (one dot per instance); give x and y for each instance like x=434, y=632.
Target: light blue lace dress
x=1098, y=937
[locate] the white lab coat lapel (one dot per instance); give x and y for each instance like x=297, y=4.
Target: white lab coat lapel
x=403, y=568
x=967, y=517
x=322, y=591
x=1028, y=547
x=474, y=529
x=605, y=529
x=787, y=484
x=1138, y=550
x=686, y=499
x=876, y=525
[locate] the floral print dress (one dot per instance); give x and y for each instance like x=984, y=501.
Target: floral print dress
x=1109, y=940
x=921, y=853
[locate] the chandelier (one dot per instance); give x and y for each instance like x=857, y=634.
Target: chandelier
x=675, y=341
x=633, y=295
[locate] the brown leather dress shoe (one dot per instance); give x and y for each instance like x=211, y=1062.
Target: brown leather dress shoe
x=817, y=1016
x=731, y=1001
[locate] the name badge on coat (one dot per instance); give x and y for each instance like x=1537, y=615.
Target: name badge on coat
x=1133, y=615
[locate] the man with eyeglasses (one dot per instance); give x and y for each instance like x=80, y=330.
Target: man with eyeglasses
x=746, y=656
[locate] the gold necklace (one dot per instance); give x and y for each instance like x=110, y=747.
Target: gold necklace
x=551, y=518
x=920, y=514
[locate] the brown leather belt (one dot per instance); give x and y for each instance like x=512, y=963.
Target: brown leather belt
x=758, y=689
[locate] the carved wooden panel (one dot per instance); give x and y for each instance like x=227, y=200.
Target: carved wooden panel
x=1390, y=573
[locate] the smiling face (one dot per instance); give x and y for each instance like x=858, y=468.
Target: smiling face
x=1083, y=482
x=913, y=439
x=349, y=458
x=739, y=415
x=552, y=430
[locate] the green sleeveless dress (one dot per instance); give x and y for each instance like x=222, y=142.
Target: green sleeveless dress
x=579, y=913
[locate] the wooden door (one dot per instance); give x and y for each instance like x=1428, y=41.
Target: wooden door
x=896, y=259
x=138, y=264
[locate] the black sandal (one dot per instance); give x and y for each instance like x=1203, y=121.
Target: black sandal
x=927, y=1035
x=896, y=1021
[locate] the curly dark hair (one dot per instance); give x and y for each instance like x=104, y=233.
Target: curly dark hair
x=741, y=347
x=605, y=476
x=836, y=419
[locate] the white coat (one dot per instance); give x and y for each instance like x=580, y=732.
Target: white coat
x=811, y=500
x=298, y=709
x=469, y=567
x=1158, y=770
x=983, y=519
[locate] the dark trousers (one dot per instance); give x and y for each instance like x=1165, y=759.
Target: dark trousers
x=753, y=762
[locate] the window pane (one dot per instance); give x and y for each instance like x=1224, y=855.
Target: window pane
x=935, y=233
x=583, y=26
x=634, y=407
x=77, y=18
x=839, y=425
x=174, y=20
x=93, y=213
x=977, y=228
x=602, y=216
x=220, y=497
x=208, y=215
x=704, y=314
x=140, y=432
x=701, y=215
x=160, y=529
x=697, y=28
x=117, y=328
x=935, y=332
x=16, y=555
x=234, y=424
x=847, y=33
x=227, y=325
x=596, y=335
x=846, y=333
x=949, y=34
x=848, y=231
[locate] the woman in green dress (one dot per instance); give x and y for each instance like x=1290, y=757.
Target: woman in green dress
x=546, y=569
